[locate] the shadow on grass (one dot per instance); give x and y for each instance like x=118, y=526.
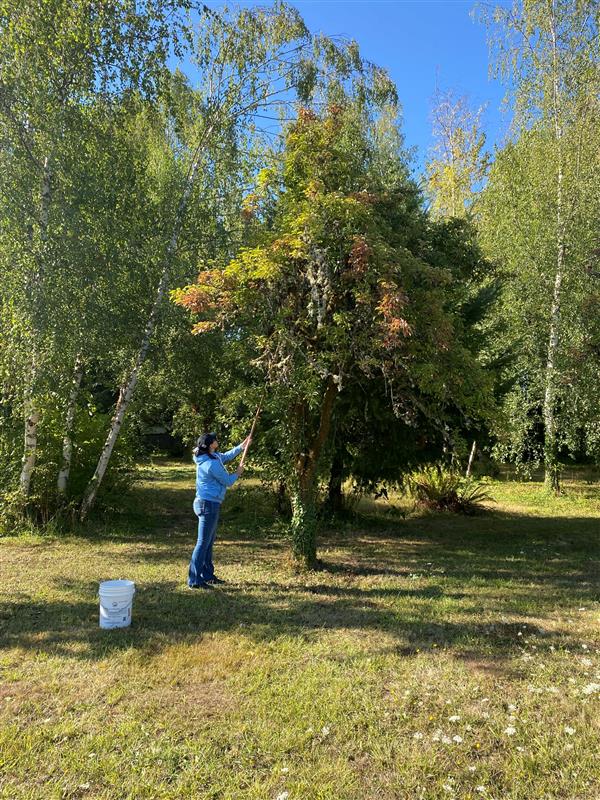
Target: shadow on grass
x=526, y=566
x=165, y=614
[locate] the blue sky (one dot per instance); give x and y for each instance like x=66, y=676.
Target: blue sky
x=420, y=42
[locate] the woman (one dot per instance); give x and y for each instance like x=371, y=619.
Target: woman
x=212, y=481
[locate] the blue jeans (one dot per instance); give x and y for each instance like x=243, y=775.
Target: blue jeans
x=201, y=566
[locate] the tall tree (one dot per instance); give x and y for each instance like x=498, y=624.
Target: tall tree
x=340, y=283
x=251, y=62
x=458, y=162
x=55, y=58
x=550, y=52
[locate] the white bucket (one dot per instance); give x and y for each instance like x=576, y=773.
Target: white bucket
x=116, y=600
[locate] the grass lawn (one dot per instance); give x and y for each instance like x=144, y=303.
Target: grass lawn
x=432, y=657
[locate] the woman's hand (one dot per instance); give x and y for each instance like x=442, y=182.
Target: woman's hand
x=246, y=443
x=239, y=470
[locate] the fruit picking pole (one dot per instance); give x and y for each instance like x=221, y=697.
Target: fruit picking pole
x=250, y=435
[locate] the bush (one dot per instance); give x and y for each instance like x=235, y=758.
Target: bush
x=43, y=504
x=440, y=489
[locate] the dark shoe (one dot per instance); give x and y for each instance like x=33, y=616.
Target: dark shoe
x=201, y=585
x=215, y=580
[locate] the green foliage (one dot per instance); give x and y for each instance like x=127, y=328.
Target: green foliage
x=346, y=288
x=119, y=176
x=458, y=162
x=539, y=222
x=43, y=505
x=518, y=232
x=440, y=489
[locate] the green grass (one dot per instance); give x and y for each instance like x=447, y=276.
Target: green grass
x=397, y=672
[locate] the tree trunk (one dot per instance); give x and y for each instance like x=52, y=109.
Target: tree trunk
x=304, y=527
x=125, y=394
x=32, y=418
x=67, y=452
x=551, y=466
x=283, y=501
x=471, y=458
x=128, y=388
x=335, y=495
x=304, y=489
x=32, y=411
x=552, y=472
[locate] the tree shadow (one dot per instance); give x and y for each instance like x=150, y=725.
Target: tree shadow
x=165, y=614
x=517, y=564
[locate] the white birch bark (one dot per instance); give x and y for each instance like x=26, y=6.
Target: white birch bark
x=128, y=388
x=32, y=412
x=471, y=458
x=67, y=450
x=551, y=478
x=32, y=419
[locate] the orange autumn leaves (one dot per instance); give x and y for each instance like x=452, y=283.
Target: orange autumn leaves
x=219, y=295
x=391, y=307
x=322, y=260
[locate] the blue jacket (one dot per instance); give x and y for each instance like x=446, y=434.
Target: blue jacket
x=212, y=479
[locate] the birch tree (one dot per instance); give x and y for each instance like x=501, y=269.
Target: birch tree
x=549, y=50
x=458, y=162
x=54, y=57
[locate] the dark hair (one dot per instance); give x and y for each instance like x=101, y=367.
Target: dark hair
x=204, y=443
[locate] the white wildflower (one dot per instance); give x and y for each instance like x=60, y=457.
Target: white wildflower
x=417, y=735
x=591, y=688
x=457, y=739
x=283, y=796
x=568, y=730
x=510, y=731
x=446, y=740
x=285, y=770
x=485, y=714
x=471, y=768
x=521, y=749
x=511, y=707
x=454, y=718
x=480, y=789
x=325, y=730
